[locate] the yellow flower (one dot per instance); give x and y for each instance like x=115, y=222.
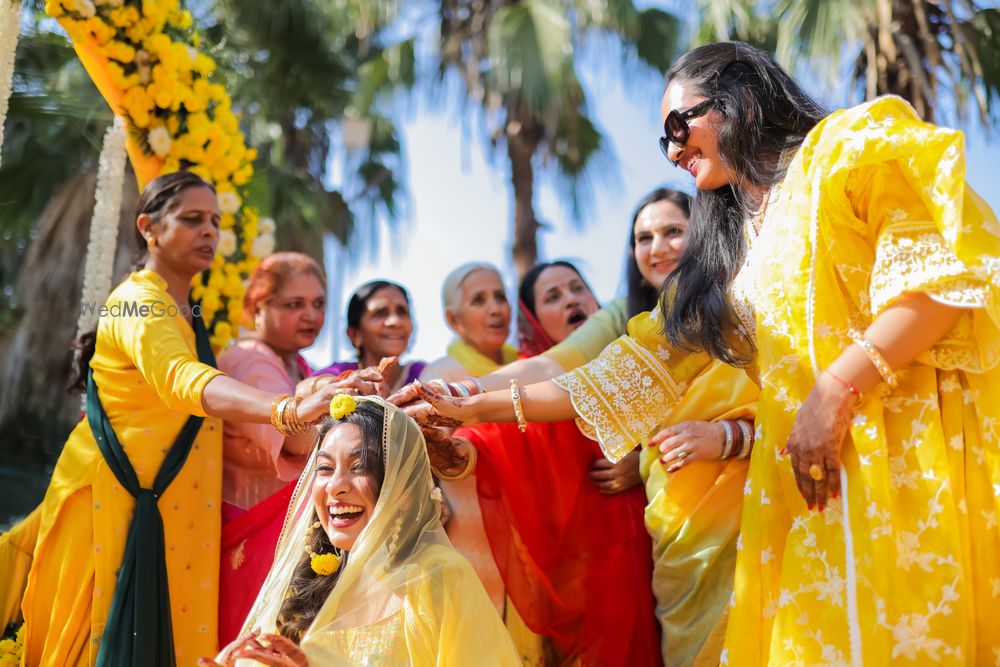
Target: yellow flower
x=119, y=51
x=324, y=564
x=7, y=646
x=342, y=405
x=53, y=8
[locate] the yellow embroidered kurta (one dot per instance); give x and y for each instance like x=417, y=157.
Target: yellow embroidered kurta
x=625, y=396
x=149, y=380
x=905, y=569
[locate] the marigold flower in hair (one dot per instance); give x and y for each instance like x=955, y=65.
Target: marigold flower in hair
x=342, y=405
x=324, y=564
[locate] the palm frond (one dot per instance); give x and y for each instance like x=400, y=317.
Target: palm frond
x=531, y=57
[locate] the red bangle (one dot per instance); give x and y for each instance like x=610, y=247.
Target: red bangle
x=850, y=387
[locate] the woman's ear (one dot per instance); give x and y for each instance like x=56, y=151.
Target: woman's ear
x=451, y=319
x=354, y=335
x=143, y=223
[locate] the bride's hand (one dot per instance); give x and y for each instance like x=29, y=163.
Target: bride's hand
x=272, y=650
x=440, y=410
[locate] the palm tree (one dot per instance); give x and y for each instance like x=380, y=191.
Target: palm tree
x=921, y=50
x=516, y=61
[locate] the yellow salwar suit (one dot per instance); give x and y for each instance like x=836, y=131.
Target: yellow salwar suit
x=149, y=382
x=904, y=569
x=465, y=529
x=623, y=397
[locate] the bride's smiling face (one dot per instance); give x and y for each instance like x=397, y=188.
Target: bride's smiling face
x=344, y=493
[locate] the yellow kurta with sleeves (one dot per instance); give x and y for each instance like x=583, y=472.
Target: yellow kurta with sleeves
x=905, y=568
x=626, y=395
x=149, y=380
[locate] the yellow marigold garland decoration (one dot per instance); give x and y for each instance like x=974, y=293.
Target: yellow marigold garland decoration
x=342, y=405
x=143, y=57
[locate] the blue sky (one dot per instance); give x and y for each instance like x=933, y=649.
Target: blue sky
x=460, y=203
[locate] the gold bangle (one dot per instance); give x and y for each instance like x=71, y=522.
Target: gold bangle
x=470, y=465
x=727, y=447
x=298, y=427
x=515, y=398
x=876, y=358
x=275, y=410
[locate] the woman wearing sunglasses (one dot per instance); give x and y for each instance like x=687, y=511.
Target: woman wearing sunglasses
x=844, y=262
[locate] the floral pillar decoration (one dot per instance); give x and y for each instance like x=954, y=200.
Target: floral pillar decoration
x=104, y=225
x=144, y=58
x=10, y=28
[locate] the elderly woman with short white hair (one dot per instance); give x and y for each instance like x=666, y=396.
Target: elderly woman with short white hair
x=477, y=310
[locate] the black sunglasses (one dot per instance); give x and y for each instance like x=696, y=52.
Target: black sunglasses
x=676, y=129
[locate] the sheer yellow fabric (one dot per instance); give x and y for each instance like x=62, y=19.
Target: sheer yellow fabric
x=150, y=381
x=635, y=387
x=590, y=338
x=405, y=597
x=905, y=569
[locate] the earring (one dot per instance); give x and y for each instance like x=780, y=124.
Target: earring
x=151, y=241
x=322, y=564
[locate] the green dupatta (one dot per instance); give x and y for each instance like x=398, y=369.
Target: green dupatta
x=139, y=632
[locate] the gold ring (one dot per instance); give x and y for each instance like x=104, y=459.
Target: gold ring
x=312, y=387
x=681, y=455
x=816, y=472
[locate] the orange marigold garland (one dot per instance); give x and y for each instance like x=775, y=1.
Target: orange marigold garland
x=143, y=57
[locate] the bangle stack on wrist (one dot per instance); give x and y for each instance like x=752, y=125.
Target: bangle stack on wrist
x=739, y=439
x=285, y=415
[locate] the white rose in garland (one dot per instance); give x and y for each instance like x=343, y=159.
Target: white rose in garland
x=262, y=246
x=227, y=243
x=229, y=202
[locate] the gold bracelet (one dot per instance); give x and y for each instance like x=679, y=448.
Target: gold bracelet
x=470, y=465
x=515, y=398
x=876, y=358
x=275, y=410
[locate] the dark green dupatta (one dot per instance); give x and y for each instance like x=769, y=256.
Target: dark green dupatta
x=139, y=631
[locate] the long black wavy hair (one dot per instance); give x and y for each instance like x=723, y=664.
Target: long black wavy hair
x=762, y=112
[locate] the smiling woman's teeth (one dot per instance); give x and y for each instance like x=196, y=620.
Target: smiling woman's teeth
x=345, y=509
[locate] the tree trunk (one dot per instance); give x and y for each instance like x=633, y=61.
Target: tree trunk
x=523, y=137
x=34, y=354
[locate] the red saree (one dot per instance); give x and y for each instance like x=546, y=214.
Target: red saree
x=577, y=564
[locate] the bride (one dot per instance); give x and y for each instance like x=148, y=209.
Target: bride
x=363, y=572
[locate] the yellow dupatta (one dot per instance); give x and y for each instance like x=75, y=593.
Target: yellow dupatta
x=474, y=362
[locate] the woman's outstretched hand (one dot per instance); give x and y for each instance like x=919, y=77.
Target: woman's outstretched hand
x=816, y=440
x=436, y=409
x=267, y=649
x=405, y=395
x=365, y=382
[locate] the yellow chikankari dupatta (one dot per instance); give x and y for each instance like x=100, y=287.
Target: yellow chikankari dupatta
x=905, y=566
x=638, y=385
